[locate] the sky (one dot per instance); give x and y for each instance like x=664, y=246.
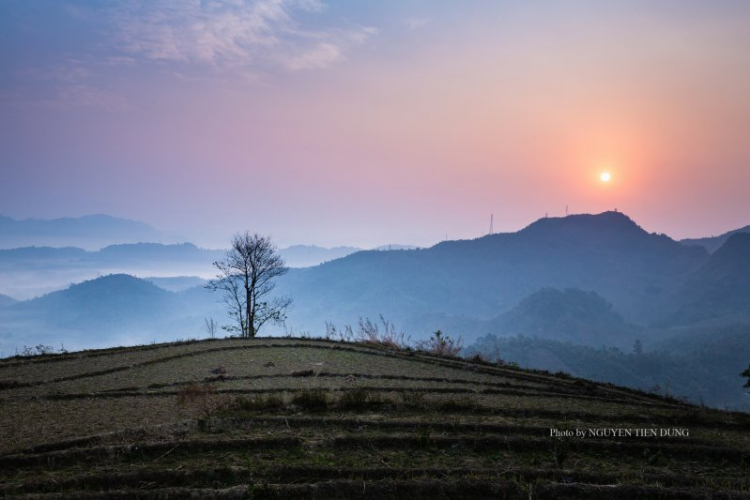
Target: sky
x=353, y=122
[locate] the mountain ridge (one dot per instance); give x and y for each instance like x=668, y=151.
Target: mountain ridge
x=713, y=243
x=88, y=231
x=606, y=253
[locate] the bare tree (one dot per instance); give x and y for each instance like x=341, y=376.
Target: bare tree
x=210, y=327
x=245, y=276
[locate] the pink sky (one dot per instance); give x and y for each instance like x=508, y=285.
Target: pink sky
x=394, y=122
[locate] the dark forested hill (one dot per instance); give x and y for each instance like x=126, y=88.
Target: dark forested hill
x=566, y=315
x=702, y=364
x=606, y=253
x=717, y=290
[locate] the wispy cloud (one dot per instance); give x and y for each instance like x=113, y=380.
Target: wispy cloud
x=232, y=34
x=196, y=40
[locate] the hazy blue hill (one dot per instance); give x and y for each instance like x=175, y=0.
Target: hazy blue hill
x=6, y=301
x=19, y=259
x=311, y=255
x=713, y=243
x=31, y=271
x=151, y=252
x=41, y=253
x=87, y=231
x=86, y=225
x=390, y=247
x=116, y=301
x=566, y=315
x=121, y=253
x=606, y=253
x=177, y=283
x=110, y=310
x=720, y=289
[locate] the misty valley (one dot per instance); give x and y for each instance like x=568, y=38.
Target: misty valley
x=594, y=296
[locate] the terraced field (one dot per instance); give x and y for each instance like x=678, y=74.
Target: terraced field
x=291, y=418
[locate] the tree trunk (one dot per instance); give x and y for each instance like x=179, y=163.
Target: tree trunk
x=250, y=333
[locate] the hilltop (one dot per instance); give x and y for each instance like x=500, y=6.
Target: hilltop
x=112, y=309
x=606, y=253
x=301, y=418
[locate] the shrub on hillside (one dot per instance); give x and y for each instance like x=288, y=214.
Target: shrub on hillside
x=441, y=344
x=370, y=332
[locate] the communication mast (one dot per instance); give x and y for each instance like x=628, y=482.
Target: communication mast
x=492, y=226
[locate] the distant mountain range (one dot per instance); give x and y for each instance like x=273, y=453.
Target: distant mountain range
x=26, y=272
x=90, y=232
x=177, y=283
x=482, y=278
x=6, y=301
x=311, y=255
x=717, y=290
x=32, y=271
x=142, y=253
x=713, y=243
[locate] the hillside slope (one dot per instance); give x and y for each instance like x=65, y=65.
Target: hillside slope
x=298, y=418
x=718, y=290
x=701, y=364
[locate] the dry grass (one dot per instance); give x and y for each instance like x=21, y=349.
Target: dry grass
x=392, y=422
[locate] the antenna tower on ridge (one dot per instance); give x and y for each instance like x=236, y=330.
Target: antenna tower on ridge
x=492, y=221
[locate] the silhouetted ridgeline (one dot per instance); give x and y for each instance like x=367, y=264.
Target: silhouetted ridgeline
x=607, y=253
x=713, y=243
x=91, y=231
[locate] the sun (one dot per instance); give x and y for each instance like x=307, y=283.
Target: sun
x=605, y=177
